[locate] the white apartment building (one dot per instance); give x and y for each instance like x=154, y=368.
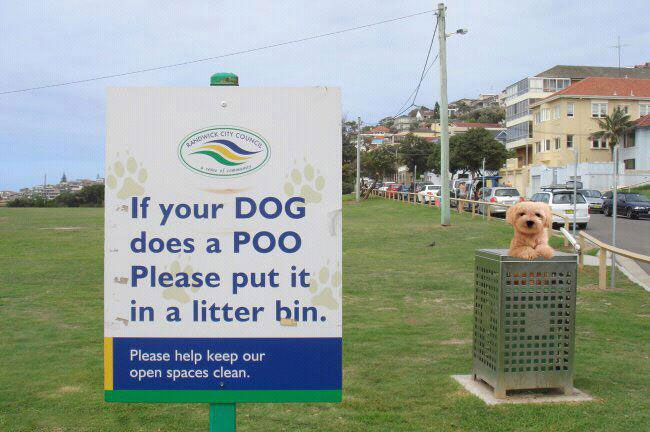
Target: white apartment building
x=522, y=94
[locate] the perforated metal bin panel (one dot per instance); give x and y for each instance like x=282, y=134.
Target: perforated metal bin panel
x=524, y=321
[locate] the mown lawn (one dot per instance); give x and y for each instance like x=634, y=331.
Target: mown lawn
x=643, y=190
x=408, y=318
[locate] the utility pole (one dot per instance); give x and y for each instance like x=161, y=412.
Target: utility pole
x=444, y=119
x=415, y=177
x=614, y=216
x=358, y=184
x=478, y=195
x=575, y=191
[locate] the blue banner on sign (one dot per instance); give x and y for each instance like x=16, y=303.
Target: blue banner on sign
x=227, y=364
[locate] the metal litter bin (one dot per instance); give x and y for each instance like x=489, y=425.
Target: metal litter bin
x=524, y=321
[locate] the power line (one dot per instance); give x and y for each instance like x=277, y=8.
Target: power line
x=425, y=71
x=234, y=53
x=416, y=89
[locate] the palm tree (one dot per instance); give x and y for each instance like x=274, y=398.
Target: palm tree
x=612, y=127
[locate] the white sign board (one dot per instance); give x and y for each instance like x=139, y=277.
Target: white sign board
x=223, y=245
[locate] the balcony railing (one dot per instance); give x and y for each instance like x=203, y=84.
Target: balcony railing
x=518, y=115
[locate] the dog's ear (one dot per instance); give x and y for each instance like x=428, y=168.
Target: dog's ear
x=511, y=213
x=548, y=216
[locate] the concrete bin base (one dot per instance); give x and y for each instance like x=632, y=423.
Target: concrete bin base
x=484, y=392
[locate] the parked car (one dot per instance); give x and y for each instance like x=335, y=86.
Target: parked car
x=594, y=199
x=420, y=185
x=632, y=205
x=502, y=195
x=561, y=201
x=404, y=191
x=391, y=191
x=385, y=185
x=429, y=193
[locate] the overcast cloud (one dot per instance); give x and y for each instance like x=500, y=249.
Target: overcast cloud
x=62, y=129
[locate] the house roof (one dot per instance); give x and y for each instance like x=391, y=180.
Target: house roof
x=380, y=129
x=642, y=121
x=580, y=72
x=619, y=88
x=471, y=125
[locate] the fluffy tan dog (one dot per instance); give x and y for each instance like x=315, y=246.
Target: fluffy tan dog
x=530, y=220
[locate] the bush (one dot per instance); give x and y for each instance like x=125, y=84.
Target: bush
x=88, y=196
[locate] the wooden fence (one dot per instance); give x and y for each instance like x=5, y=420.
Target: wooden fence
x=602, y=262
x=461, y=204
x=412, y=198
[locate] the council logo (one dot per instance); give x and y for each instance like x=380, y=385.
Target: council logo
x=224, y=151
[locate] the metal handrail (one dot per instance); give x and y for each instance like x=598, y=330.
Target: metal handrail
x=602, y=261
x=618, y=251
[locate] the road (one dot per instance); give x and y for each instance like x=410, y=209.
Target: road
x=632, y=235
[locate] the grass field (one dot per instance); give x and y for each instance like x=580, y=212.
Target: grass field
x=643, y=190
x=408, y=318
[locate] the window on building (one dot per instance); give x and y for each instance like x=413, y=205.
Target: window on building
x=628, y=140
x=538, y=117
x=557, y=143
x=569, y=110
x=629, y=164
x=622, y=108
x=644, y=109
x=546, y=114
x=519, y=131
x=598, y=109
x=538, y=147
x=547, y=145
x=558, y=111
x=555, y=84
x=599, y=143
x=569, y=141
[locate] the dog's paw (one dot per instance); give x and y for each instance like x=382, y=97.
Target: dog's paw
x=545, y=251
x=529, y=254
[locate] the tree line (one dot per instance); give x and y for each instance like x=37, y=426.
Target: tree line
x=466, y=154
x=88, y=196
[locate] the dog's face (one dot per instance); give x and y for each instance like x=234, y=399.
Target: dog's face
x=529, y=217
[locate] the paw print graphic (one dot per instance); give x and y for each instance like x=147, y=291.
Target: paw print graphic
x=324, y=285
x=127, y=178
x=176, y=293
x=305, y=183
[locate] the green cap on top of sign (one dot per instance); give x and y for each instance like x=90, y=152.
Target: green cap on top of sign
x=224, y=79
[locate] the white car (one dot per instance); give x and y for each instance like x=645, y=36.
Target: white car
x=385, y=186
x=429, y=193
x=561, y=202
x=501, y=195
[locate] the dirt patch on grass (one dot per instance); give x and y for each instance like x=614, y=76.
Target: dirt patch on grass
x=68, y=389
x=589, y=287
x=63, y=228
x=62, y=391
x=456, y=342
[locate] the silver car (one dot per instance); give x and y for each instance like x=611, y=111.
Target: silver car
x=594, y=199
x=502, y=195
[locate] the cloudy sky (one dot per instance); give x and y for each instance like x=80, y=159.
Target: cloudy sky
x=62, y=129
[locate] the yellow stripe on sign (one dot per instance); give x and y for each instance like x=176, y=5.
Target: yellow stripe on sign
x=226, y=152
x=108, y=363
